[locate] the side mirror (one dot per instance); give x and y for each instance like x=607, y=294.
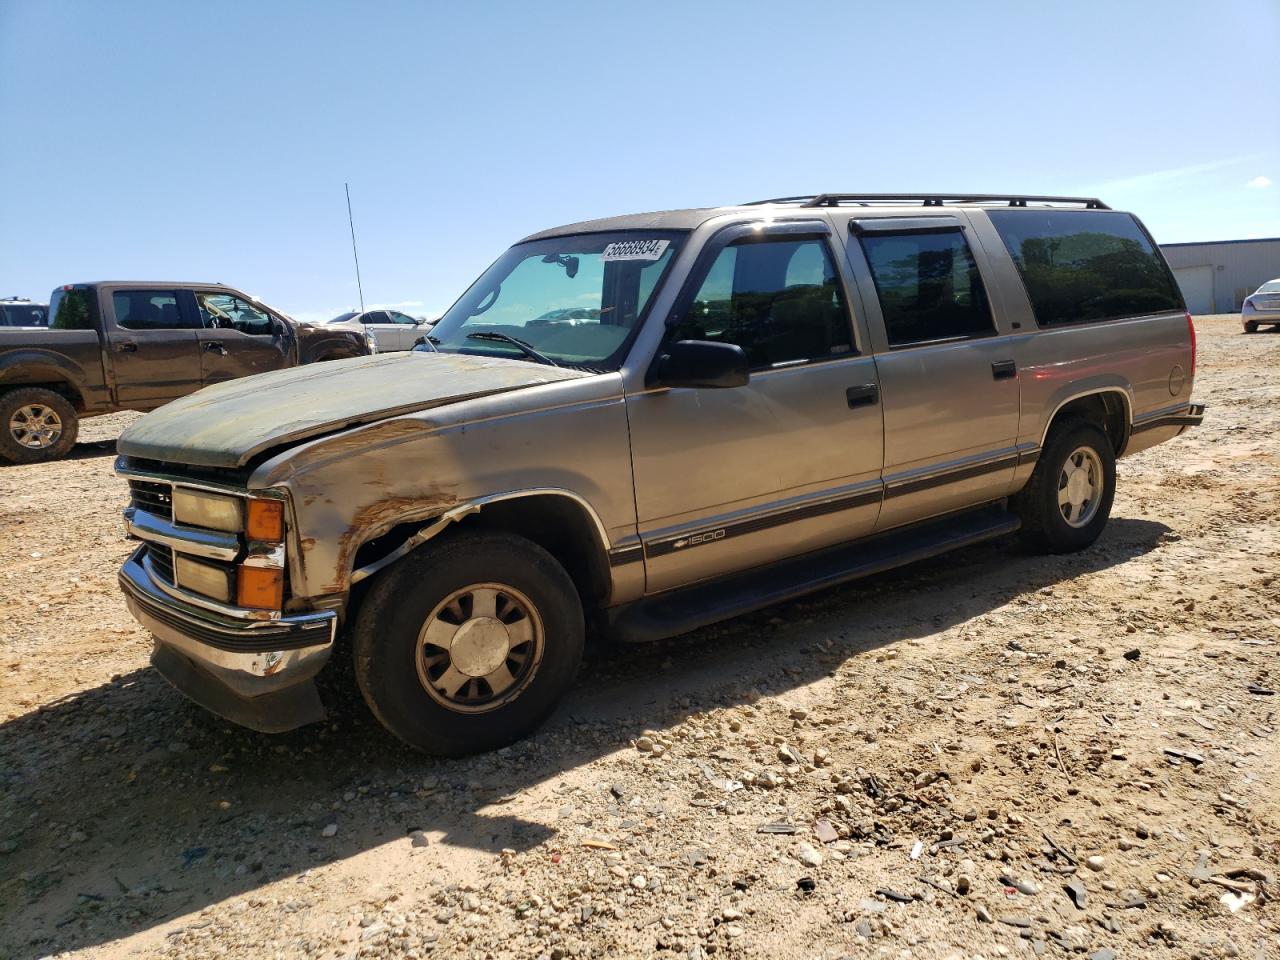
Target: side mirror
x=702, y=364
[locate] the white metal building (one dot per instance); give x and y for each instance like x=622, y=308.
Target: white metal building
x=1216, y=277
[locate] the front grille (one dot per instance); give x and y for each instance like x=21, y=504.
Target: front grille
x=154, y=498
x=161, y=558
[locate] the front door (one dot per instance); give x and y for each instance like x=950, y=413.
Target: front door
x=384, y=331
x=728, y=479
x=407, y=329
x=237, y=339
x=155, y=356
x=949, y=382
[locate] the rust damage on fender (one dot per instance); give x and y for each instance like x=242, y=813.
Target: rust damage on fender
x=375, y=519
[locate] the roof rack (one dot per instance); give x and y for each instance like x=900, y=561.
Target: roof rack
x=928, y=199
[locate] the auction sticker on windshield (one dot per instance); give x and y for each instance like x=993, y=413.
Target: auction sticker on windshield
x=635, y=250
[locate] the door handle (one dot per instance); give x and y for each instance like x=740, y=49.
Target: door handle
x=215, y=346
x=126, y=346
x=865, y=395
x=1004, y=370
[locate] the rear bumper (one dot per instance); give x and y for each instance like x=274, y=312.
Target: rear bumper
x=257, y=673
x=1260, y=316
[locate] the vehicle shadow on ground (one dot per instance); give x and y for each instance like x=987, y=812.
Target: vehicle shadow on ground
x=88, y=449
x=127, y=806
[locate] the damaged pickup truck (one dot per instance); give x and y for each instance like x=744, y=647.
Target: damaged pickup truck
x=637, y=426
x=127, y=345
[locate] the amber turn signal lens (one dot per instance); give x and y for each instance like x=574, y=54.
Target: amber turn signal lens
x=260, y=588
x=265, y=520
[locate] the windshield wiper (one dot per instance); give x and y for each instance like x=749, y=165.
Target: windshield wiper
x=529, y=352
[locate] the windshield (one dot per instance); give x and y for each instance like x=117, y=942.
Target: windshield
x=1271, y=286
x=577, y=301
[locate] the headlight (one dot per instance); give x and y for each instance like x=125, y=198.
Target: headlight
x=195, y=508
x=202, y=578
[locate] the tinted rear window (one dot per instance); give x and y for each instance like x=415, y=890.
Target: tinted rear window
x=69, y=310
x=1081, y=266
x=22, y=315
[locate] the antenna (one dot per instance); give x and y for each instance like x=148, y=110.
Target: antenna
x=355, y=256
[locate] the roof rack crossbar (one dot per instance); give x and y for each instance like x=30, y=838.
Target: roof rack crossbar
x=929, y=199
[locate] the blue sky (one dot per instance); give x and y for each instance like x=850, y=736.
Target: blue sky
x=210, y=141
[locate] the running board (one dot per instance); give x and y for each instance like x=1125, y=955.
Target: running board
x=688, y=608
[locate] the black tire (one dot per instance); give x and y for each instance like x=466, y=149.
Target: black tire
x=1045, y=529
x=1250, y=327
x=12, y=450
x=385, y=641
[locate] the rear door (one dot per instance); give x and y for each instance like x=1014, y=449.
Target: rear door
x=733, y=478
x=947, y=374
x=152, y=344
x=237, y=339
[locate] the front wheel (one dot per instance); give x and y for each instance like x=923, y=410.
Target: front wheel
x=36, y=425
x=468, y=644
x=1068, y=499
x=1250, y=327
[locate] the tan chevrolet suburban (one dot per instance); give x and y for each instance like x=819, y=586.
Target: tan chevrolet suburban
x=636, y=426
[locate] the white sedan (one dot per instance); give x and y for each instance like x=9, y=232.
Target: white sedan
x=391, y=329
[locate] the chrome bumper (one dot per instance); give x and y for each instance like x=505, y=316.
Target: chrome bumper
x=257, y=673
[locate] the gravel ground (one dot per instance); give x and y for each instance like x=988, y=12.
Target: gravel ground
x=990, y=754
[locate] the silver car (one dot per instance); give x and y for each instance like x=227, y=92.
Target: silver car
x=1261, y=307
x=391, y=329
x=638, y=426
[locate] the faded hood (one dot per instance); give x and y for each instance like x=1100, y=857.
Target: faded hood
x=229, y=423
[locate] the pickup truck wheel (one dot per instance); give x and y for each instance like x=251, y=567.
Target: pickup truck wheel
x=36, y=425
x=468, y=645
x=1068, y=499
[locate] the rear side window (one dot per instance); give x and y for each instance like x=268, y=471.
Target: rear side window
x=779, y=300
x=148, y=310
x=69, y=310
x=22, y=315
x=929, y=287
x=1082, y=266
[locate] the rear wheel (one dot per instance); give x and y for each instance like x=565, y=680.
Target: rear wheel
x=36, y=425
x=1067, y=502
x=468, y=645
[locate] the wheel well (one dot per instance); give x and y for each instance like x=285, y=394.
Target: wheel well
x=1107, y=409
x=61, y=387
x=558, y=524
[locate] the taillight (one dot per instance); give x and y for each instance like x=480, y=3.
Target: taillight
x=1191, y=329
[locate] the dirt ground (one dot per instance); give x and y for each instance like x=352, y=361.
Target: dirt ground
x=987, y=755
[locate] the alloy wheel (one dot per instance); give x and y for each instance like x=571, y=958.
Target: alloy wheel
x=1080, y=487
x=479, y=648
x=35, y=426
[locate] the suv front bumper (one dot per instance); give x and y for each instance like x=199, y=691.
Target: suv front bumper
x=257, y=673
